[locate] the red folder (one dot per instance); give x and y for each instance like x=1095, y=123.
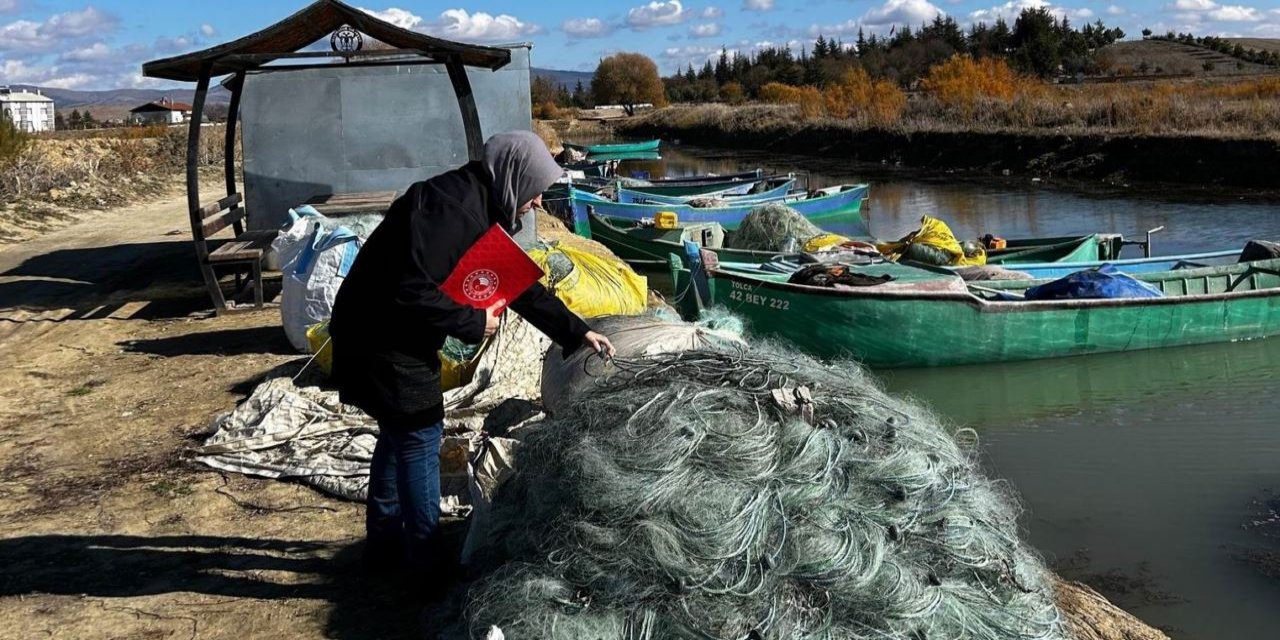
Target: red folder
x=494, y=268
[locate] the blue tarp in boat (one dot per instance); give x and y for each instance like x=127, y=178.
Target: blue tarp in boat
x=1105, y=281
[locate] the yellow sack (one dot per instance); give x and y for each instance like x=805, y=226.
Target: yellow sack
x=589, y=285
x=318, y=342
x=453, y=374
x=824, y=242
x=933, y=233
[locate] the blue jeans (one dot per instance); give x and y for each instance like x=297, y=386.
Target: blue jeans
x=403, y=507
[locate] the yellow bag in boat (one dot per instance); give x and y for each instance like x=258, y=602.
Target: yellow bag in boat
x=936, y=234
x=453, y=373
x=589, y=285
x=824, y=242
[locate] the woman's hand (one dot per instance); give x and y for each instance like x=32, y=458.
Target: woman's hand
x=599, y=344
x=492, y=316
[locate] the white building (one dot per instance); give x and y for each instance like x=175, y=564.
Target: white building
x=30, y=112
x=162, y=111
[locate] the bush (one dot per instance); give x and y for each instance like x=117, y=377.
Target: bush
x=856, y=95
x=963, y=82
x=12, y=142
x=546, y=111
x=733, y=93
x=809, y=99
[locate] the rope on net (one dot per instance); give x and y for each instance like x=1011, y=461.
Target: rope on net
x=749, y=494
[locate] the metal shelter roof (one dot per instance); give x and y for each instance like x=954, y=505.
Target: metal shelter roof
x=308, y=26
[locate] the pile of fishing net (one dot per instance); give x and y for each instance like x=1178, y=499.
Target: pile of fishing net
x=742, y=493
x=770, y=227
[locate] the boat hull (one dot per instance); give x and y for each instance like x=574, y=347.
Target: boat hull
x=621, y=147
x=844, y=207
x=927, y=329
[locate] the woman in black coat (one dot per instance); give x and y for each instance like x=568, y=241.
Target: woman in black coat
x=390, y=319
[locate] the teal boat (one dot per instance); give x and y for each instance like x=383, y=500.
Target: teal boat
x=926, y=319
x=755, y=191
x=647, y=248
x=619, y=147
x=841, y=204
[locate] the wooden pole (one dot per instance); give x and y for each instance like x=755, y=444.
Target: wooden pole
x=229, y=150
x=467, y=104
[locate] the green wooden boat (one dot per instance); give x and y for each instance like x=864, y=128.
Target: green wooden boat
x=924, y=319
x=619, y=147
x=648, y=248
x=689, y=190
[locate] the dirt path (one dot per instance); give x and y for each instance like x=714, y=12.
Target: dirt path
x=110, y=366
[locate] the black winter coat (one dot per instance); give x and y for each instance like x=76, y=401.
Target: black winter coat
x=390, y=318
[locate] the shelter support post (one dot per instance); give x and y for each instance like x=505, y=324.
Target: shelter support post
x=467, y=104
x=193, y=191
x=229, y=150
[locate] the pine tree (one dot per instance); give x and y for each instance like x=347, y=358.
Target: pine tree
x=76, y=121
x=861, y=43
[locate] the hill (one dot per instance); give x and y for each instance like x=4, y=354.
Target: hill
x=114, y=104
x=1164, y=57
x=566, y=78
x=1262, y=44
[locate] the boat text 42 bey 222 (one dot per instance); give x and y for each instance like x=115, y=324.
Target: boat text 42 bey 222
x=746, y=293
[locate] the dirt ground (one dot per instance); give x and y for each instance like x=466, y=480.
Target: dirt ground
x=110, y=367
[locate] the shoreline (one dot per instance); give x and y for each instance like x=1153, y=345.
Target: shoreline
x=1110, y=157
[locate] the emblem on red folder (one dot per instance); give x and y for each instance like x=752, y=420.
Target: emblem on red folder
x=480, y=285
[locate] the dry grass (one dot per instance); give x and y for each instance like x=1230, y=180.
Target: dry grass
x=116, y=165
x=985, y=96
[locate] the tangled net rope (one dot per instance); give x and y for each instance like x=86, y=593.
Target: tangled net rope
x=769, y=226
x=749, y=495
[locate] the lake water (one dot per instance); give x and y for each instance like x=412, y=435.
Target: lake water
x=1137, y=470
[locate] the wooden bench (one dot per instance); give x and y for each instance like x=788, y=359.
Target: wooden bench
x=243, y=252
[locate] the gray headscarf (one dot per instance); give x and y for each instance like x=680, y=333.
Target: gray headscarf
x=521, y=168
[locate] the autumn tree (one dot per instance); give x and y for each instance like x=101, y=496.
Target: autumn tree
x=628, y=79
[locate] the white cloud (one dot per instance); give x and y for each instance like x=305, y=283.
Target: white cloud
x=1113, y=10
x=911, y=12
x=459, y=24
x=708, y=30
x=18, y=72
x=1236, y=13
x=757, y=5
x=207, y=30
x=711, y=13
x=56, y=32
x=848, y=27
x=399, y=17
x=179, y=44
x=97, y=52
x=1197, y=10
x=10, y=6
x=657, y=14
x=1010, y=10
x=587, y=28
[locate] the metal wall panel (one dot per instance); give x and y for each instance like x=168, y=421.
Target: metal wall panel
x=340, y=129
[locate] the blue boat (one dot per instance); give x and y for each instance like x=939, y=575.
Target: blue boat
x=841, y=204
x=758, y=191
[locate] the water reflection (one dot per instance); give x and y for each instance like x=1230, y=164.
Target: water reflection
x=1139, y=468
x=995, y=393
x=1195, y=219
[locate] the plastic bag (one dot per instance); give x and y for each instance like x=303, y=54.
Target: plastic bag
x=934, y=244
x=589, y=285
x=315, y=260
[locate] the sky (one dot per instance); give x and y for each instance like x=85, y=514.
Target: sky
x=72, y=44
